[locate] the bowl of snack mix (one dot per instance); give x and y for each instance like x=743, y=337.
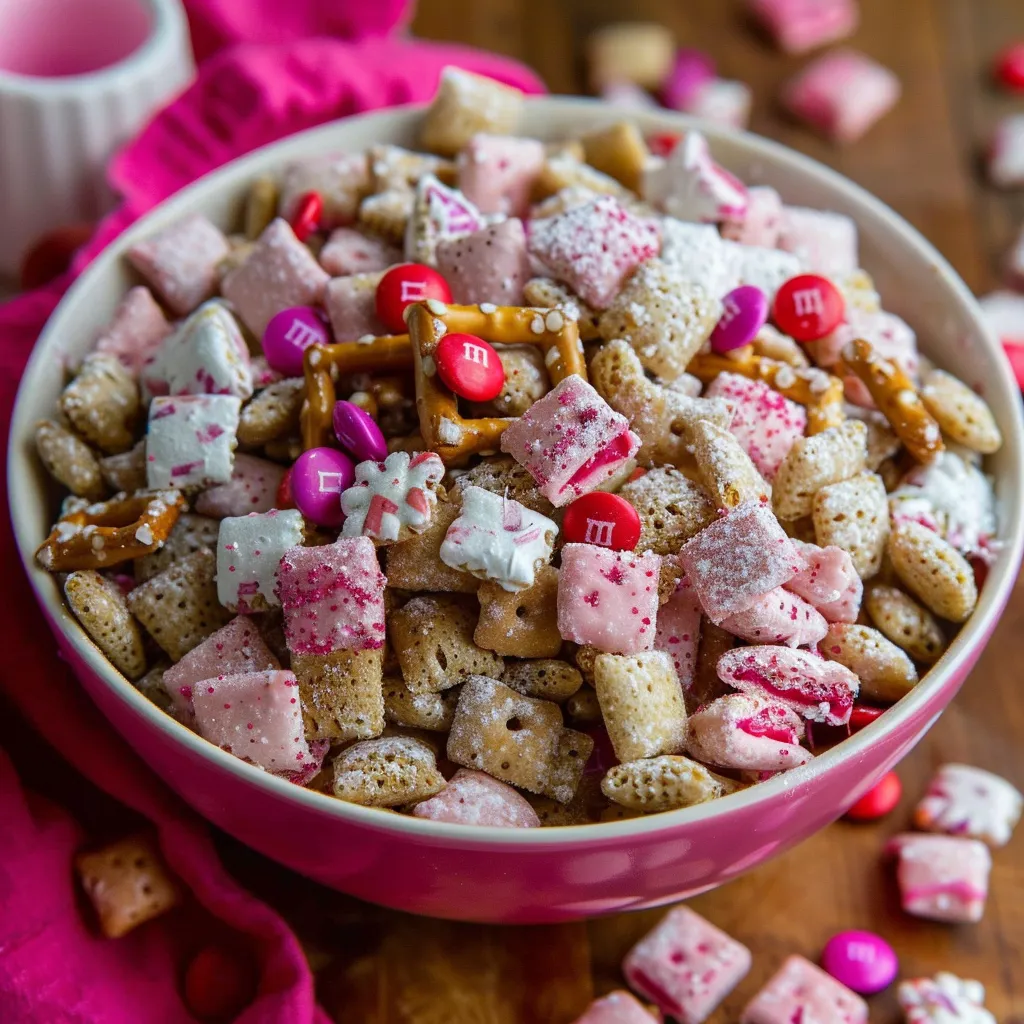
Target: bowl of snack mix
x=513, y=510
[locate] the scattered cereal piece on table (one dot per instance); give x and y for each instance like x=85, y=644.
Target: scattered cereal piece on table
x=942, y=878
x=801, y=991
x=100, y=607
x=944, y=999
x=618, y=1007
x=520, y=623
x=474, y=798
x=640, y=52
x=797, y=26
x=386, y=772
x=962, y=800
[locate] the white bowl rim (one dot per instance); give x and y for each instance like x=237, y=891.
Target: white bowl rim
x=993, y=596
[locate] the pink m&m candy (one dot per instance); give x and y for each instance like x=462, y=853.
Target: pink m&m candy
x=808, y=307
x=470, y=367
x=607, y=520
x=744, y=312
x=1009, y=67
x=317, y=480
x=692, y=70
x=358, y=433
x=862, y=961
x=403, y=285
x=289, y=334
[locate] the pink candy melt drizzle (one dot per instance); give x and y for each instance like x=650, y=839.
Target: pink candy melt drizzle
x=760, y=725
x=614, y=452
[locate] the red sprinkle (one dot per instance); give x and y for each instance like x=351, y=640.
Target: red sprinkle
x=662, y=143
x=878, y=802
x=306, y=218
x=808, y=307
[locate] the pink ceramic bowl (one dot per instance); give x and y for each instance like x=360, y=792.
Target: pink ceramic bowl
x=486, y=874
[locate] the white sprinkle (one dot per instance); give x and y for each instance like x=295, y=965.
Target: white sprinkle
x=144, y=534
x=537, y=325
x=97, y=542
x=448, y=431
x=437, y=308
x=440, y=328
x=314, y=358
x=366, y=339
x=488, y=308
x=429, y=366
x=785, y=377
x=554, y=321
x=551, y=357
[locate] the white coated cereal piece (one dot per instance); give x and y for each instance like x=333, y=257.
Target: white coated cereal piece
x=100, y=607
x=102, y=403
x=906, y=623
x=698, y=255
x=944, y=999
x=725, y=470
x=190, y=441
x=69, y=460
x=933, y=571
x=466, y=104
x=722, y=101
x=386, y=772
x=496, y=538
x=814, y=462
x=206, y=355
x=663, y=783
x=824, y=241
x=249, y=549
x=641, y=704
x=853, y=515
x=392, y=500
x=962, y=414
x=952, y=497
x=966, y=801
x=1006, y=157
x=886, y=673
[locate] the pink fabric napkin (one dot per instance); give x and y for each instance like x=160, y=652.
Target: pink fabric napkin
x=270, y=69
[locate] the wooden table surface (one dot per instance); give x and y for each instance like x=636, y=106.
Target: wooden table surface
x=921, y=159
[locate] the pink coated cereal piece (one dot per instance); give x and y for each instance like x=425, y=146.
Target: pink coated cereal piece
x=942, y=878
x=944, y=999
x=965, y=801
x=280, y=272
x=722, y=101
x=738, y=558
x=762, y=223
x=778, y=617
x=800, y=25
x=763, y=421
x=823, y=241
x=690, y=185
x=830, y=582
x=236, y=647
x=351, y=252
x=617, y=1007
x=352, y=306
x=842, y=94
x=686, y=966
x=206, y=355
x=1006, y=157
x=181, y=261
x=678, y=631
x=800, y=992
x=190, y=440
x=333, y=597
x=747, y=732
x=490, y=265
x=249, y=549
x=135, y=330
x=255, y=716
x=594, y=247
x=496, y=173
x=571, y=441
x=608, y=599
x=252, y=488
x=819, y=690
x=338, y=178
x=474, y=798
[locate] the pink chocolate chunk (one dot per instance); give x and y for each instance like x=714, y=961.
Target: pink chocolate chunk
x=819, y=690
x=617, y=1007
x=489, y=265
x=473, y=798
x=571, y=441
x=736, y=559
x=233, y=649
x=800, y=992
x=333, y=597
x=593, y=248
x=678, y=631
x=252, y=488
x=763, y=421
x=686, y=966
x=279, y=273
x=181, y=261
x=136, y=329
x=747, y=732
x=801, y=25
x=496, y=172
x=608, y=599
x=762, y=221
x=778, y=617
x=351, y=252
x=942, y=878
x=830, y=582
x=255, y=716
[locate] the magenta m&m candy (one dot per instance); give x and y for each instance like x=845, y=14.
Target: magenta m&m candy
x=606, y=520
x=403, y=285
x=1009, y=68
x=358, y=433
x=808, y=307
x=744, y=312
x=878, y=802
x=861, y=961
x=317, y=479
x=470, y=367
x=306, y=218
x=289, y=334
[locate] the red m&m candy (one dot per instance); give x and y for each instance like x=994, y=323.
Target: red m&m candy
x=470, y=367
x=306, y=218
x=1009, y=68
x=607, y=520
x=862, y=715
x=403, y=285
x=878, y=802
x=808, y=307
